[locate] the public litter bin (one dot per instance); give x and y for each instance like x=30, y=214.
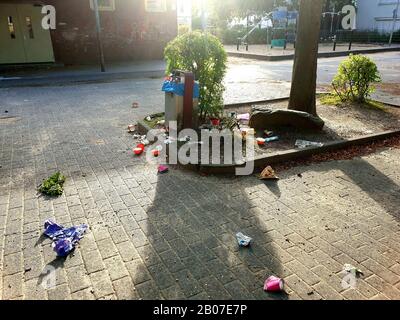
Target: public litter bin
x=181, y=100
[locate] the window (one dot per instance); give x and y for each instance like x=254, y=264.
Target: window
x=156, y=5
x=104, y=5
x=11, y=28
x=28, y=21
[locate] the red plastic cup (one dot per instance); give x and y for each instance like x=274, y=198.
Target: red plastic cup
x=260, y=141
x=137, y=151
x=273, y=284
x=215, y=122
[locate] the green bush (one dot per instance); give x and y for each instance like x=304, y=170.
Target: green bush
x=230, y=36
x=355, y=78
x=204, y=55
x=53, y=186
x=182, y=29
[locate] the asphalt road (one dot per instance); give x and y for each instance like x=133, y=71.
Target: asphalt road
x=246, y=80
x=264, y=79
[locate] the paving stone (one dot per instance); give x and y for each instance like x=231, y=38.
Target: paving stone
x=148, y=231
x=101, y=284
x=124, y=289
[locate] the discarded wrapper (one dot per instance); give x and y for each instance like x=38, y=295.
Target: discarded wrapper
x=244, y=241
x=243, y=117
x=273, y=284
x=268, y=174
x=268, y=133
x=352, y=269
x=131, y=128
x=301, y=144
x=271, y=139
x=161, y=122
x=162, y=169
x=184, y=139
x=64, y=239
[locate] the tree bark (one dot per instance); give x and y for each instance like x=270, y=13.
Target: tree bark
x=304, y=77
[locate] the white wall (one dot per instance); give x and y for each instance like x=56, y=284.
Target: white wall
x=377, y=15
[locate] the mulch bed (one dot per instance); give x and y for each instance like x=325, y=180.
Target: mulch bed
x=347, y=153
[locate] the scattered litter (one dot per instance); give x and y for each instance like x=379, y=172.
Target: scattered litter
x=131, y=128
x=273, y=284
x=353, y=270
x=184, y=139
x=260, y=141
x=271, y=139
x=268, y=133
x=161, y=122
x=135, y=105
x=139, y=149
x=145, y=142
x=244, y=241
x=169, y=140
x=268, y=174
x=301, y=144
x=162, y=169
x=156, y=151
x=243, y=117
x=64, y=239
x=148, y=118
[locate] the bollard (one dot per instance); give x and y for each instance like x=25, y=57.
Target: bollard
x=188, y=101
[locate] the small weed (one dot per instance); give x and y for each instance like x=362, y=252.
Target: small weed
x=53, y=186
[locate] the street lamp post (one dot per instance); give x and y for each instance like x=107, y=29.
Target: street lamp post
x=203, y=16
x=395, y=15
x=98, y=33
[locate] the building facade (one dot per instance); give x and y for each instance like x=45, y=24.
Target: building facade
x=377, y=15
x=130, y=30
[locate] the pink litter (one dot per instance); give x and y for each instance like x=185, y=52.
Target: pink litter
x=273, y=284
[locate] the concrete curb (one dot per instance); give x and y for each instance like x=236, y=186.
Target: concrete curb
x=263, y=161
x=320, y=55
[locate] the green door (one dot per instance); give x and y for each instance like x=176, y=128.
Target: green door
x=22, y=38
x=11, y=38
x=37, y=41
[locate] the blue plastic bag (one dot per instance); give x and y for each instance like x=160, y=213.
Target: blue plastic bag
x=64, y=239
x=179, y=88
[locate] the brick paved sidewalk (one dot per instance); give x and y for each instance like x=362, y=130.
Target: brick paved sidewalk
x=172, y=236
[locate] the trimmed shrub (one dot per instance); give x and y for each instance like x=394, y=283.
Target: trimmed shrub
x=355, y=78
x=204, y=55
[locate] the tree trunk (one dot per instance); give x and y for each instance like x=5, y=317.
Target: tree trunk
x=304, y=77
